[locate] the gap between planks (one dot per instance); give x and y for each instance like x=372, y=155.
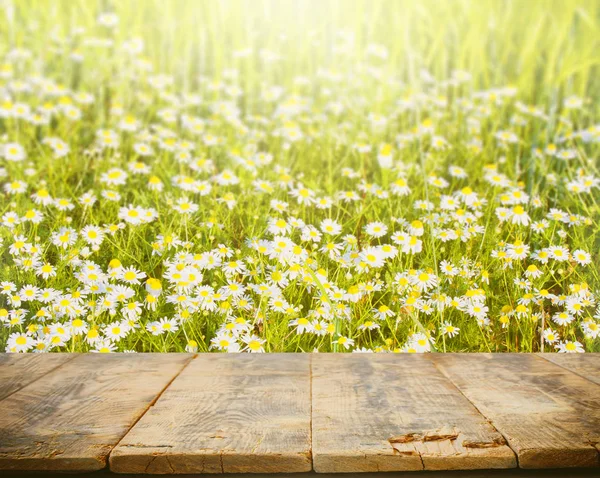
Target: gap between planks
x=38, y=357
x=310, y=391
x=560, y=360
x=150, y=405
x=572, y=435
x=65, y=422
x=480, y=412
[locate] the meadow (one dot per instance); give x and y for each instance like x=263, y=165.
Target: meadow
x=332, y=176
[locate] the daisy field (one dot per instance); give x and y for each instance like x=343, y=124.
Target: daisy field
x=278, y=176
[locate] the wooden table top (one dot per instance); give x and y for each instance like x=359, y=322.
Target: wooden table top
x=284, y=413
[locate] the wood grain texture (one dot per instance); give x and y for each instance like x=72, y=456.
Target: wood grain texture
x=72, y=417
x=19, y=370
x=389, y=412
x=586, y=365
x=550, y=416
x=226, y=414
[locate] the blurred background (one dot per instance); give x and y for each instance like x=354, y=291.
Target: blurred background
x=542, y=47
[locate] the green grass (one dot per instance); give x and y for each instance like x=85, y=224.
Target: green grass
x=520, y=65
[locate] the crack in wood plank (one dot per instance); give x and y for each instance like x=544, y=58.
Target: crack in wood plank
x=443, y=433
x=395, y=413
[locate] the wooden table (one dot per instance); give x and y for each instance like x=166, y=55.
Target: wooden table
x=238, y=413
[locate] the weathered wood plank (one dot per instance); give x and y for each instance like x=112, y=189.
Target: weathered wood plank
x=225, y=414
x=72, y=417
x=387, y=412
x=550, y=416
x=19, y=370
x=587, y=365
